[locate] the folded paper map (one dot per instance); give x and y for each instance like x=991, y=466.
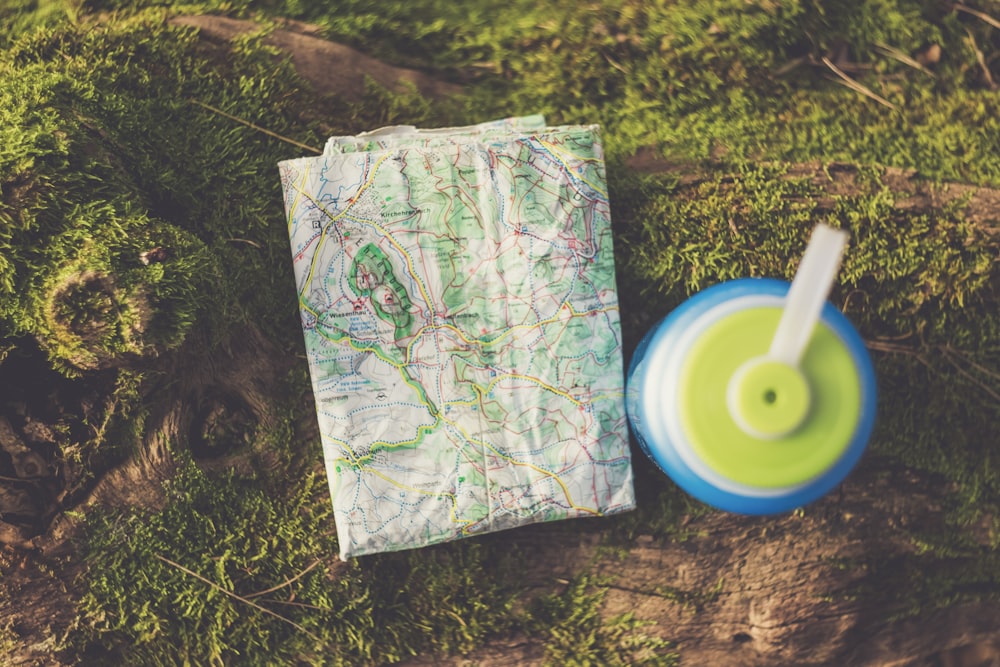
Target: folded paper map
x=457, y=294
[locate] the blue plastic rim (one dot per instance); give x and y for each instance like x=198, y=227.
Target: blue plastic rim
x=647, y=379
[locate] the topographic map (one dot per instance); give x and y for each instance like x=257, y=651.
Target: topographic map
x=457, y=294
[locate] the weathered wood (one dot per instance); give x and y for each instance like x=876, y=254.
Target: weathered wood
x=331, y=68
x=771, y=591
x=833, y=179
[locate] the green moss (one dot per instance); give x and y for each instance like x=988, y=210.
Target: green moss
x=119, y=297
x=723, y=78
x=145, y=610
x=691, y=600
x=103, y=147
x=938, y=416
x=21, y=16
x=920, y=273
x=247, y=538
x=918, y=584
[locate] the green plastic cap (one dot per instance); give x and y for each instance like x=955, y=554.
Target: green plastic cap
x=768, y=399
x=761, y=422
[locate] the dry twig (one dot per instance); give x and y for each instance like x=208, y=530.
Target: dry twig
x=236, y=597
x=896, y=54
x=951, y=355
x=981, y=59
x=287, y=581
x=855, y=86
x=895, y=348
x=292, y=603
x=247, y=241
x=978, y=14
x=979, y=367
x=252, y=126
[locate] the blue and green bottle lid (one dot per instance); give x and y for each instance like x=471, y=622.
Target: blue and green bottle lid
x=756, y=396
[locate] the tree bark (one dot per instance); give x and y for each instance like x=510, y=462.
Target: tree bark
x=330, y=67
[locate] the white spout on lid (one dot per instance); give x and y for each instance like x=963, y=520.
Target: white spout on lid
x=769, y=396
x=808, y=293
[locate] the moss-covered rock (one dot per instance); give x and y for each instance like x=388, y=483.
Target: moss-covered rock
x=119, y=193
x=118, y=301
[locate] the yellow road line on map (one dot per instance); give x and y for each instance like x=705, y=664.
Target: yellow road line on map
x=474, y=341
x=454, y=501
x=451, y=496
x=556, y=153
x=374, y=350
x=345, y=213
x=607, y=395
x=359, y=465
x=333, y=218
x=471, y=401
x=295, y=202
x=355, y=347
x=541, y=384
x=512, y=460
x=555, y=318
x=382, y=445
